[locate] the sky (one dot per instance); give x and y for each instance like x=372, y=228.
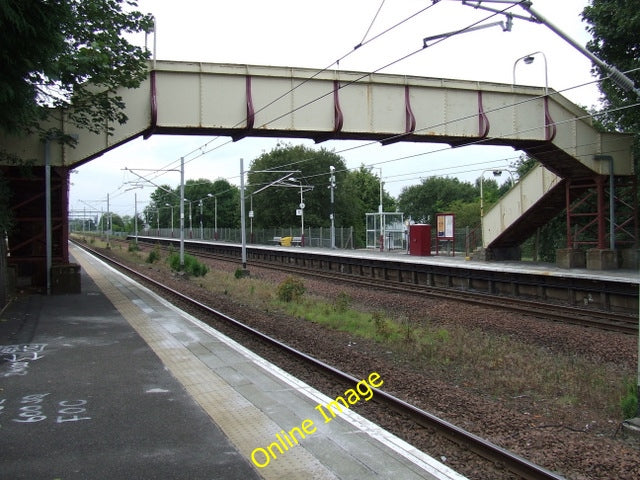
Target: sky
x=298, y=33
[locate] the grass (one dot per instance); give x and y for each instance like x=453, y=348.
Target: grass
x=498, y=365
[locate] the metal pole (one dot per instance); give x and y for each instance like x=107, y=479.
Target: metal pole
x=181, y=212
x=332, y=186
x=135, y=217
x=243, y=233
x=617, y=76
x=201, y=229
x=215, y=217
x=546, y=75
x=108, y=220
x=47, y=188
x=612, y=213
x=380, y=210
x=301, y=216
x=481, y=200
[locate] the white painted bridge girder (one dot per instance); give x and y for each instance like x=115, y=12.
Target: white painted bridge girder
x=241, y=100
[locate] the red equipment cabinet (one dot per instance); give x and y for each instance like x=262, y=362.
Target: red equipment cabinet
x=420, y=240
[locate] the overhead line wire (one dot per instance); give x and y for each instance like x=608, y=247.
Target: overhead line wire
x=370, y=25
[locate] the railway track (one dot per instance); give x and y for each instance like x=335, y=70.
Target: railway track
x=494, y=454
x=612, y=321
x=587, y=317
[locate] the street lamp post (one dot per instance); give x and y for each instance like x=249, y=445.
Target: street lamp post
x=201, y=229
x=171, y=207
x=301, y=209
x=135, y=216
x=528, y=60
x=190, y=220
x=200, y=203
x=243, y=233
x=380, y=211
x=301, y=216
x=332, y=186
x=215, y=215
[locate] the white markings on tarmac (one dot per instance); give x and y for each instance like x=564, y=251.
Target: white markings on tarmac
x=156, y=390
x=19, y=357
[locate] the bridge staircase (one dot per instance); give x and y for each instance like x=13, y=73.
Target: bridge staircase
x=540, y=195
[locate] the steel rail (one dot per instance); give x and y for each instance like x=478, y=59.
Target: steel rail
x=591, y=318
x=488, y=450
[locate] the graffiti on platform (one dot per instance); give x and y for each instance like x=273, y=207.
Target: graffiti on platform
x=19, y=357
x=37, y=407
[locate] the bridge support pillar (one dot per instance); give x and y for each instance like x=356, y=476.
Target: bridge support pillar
x=602, y=259
x=630, y=258
x=27, y=207
x=501, y=253
x=571, y=258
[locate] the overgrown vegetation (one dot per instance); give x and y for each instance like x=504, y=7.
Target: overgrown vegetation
x=290, y=290
x=192, y=265
x=496, y=364
x=629, y=400
x=154, y=255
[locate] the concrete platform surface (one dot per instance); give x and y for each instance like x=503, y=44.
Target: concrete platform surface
x=116, y=383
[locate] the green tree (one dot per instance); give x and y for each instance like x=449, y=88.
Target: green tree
x=360, y=190
x=158, y=212
x=69, y=54
x=435, y=195
x=207, y=194
x=467, y=213
x=276, y=205
x=614, y=26
x=114, y=220
x=201, y=196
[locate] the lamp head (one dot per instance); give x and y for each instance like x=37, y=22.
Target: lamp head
x=529, y=59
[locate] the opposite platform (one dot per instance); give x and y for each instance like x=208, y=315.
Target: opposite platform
x=84, y=396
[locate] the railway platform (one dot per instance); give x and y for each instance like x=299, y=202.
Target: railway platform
x=115, y=382
x=614, y=291
x=459, y=261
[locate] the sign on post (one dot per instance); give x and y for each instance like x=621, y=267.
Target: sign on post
x=445, y=230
